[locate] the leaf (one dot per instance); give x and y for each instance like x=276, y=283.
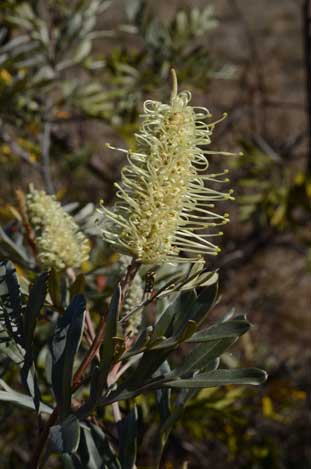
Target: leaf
x=29, y=379
x=10, y=395
x=78, y=286
x=82, y=51
x=201, y=355
x=164, y=396
x=220, y=377
x=10, y=250
x=36, y=299
x=203, y=303
x=10, y=303
x=88, y=452
x=56, y=287
x=133, y=7
x=65, y=343
x=227, y=329
x=147, y=366
x=104, y=447
x=65, y=437
x=128, y=428
x=194, y=308
x=178, y=312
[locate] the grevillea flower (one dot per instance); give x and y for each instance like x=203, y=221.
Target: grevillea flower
x=60, y=243
x=165, y=203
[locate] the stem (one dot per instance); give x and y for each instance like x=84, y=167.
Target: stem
x=78, y=377
x=33, y=463
x=16, y=149
x=306, y=16
x=77, y=380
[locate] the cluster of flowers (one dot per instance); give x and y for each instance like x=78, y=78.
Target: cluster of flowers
x=60, y=243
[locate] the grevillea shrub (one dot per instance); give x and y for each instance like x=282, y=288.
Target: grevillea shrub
x=94, y=335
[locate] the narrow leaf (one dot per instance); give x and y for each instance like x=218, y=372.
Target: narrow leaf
x=128, y=429
x=65, y=437
x=64, y=346
x=251, y=376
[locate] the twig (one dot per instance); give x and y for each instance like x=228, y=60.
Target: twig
x=46, y=144
x=78, y=377
x=266, y=148
x=77, y=380
x=16, y=149
x=125, y=284
x=259, y=94
x=33, y=463
x=306, y=16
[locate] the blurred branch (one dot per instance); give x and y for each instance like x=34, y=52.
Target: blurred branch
x=306, y=15
x=99, y=173
x=267, y=148
x=46, y=145
x=271, y=102
x=16, y=149
x=258, y=94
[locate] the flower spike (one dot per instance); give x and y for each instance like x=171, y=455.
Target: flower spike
x=60, y=243
x=163, y=199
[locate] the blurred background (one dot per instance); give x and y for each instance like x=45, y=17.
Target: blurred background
x=74, y=75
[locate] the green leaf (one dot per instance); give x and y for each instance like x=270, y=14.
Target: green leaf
x=10, y=303
x=88, y=452
x=56, y=288
x=193, y=307
x=78, y=286
x=227, y=329
x=36, y=299
x=178, y=312
x=133, y=8
x=7, y=394
x=10, y=250
x=128, y=428
x=201, y=355
x=203, y=303
x=104, y=447
x=220, y=377
x=65, y=437
x=65, y=343
x=164, y=396
x=147, y=366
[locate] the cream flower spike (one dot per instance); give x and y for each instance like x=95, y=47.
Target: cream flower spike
x=58, y=239
x=164, y=199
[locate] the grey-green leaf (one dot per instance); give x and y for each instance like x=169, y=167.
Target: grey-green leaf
x=65, y=436
x=64, y=346
x=220, y=377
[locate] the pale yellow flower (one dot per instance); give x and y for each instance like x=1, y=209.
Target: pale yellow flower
x=164, y=199
x=60, y=243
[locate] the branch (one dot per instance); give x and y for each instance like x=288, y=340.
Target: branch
x=125, y=284
x=306, y=16
x=46, y=145
x=16, y=149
